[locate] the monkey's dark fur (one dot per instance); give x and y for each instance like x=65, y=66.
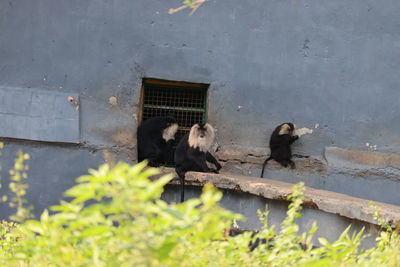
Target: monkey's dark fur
x=281, y=139
x=155, y=138
x=192, y=153
x=257, y=241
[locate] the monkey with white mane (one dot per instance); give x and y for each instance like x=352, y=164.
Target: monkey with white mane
x=192, y=153
x=281, y=139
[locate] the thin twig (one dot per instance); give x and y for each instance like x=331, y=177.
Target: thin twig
x=194, y=5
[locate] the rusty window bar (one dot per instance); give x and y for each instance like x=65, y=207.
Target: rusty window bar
x=187, y=102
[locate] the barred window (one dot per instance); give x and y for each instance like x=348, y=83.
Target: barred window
x=186, y=102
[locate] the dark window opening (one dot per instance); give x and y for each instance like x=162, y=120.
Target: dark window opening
x=186, y=102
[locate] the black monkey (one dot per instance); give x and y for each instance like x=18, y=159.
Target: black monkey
x=281, y=139
x=156, y=140
x=192, y=153
x=257, y=241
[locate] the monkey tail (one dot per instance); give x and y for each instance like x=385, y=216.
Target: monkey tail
x=182, y=179
x=263, y=167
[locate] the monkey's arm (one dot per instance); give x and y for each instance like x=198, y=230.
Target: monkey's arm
x=167, y=155
x=210, y=158
x=152, y=153
x=293, y=138
x=201, y=163
x=199, y=160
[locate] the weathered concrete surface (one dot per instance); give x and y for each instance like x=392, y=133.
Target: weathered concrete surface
x=330, y=225
x=309, y=62
x=360, y=159
x=39, y=115
x=238, y=155
x=315, y=62
x=333, y=212
x=335, y=203
x=52, y=170
x=359, y=173
x=335, y=157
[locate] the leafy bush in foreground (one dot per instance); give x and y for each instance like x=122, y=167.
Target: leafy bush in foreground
x=116, y=218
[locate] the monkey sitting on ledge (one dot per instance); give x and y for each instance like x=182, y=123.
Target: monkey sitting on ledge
x=192, y=153
x=156, y=137
x=281, y=139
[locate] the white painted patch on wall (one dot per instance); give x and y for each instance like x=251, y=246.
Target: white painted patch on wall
x=303, y=131
x=113, y=101
x=370, y=146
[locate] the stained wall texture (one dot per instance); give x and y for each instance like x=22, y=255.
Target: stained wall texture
x=314, y=62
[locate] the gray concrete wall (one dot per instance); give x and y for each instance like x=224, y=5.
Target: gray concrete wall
x=360, y=173
x=332, y=63
x=329, y=62
x=52, y=169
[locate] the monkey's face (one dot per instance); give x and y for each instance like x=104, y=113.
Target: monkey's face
x=201, y=136
x=201, y=132
x=287, y=128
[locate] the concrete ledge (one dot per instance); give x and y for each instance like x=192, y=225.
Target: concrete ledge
x=361, y=159
x=381, y=164
x=327, y=201
x=256, y=156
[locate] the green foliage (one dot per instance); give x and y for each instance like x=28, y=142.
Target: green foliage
x=19, y=187
x=116, y=218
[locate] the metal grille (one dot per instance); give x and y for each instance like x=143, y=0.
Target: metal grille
x=186, y=102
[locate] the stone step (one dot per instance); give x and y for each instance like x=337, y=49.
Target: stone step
x=327, y=201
